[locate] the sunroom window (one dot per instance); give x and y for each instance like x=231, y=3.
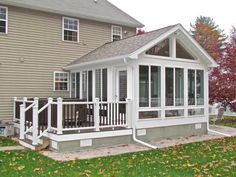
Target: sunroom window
x=195, y=87
x=181, y=52
x=87, y=86
x=161, y=49
x=101, y=84
x=70, y=29
x=174, y=87
x=3, y=20
x=149, y=86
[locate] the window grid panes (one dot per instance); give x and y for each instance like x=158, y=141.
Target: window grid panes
x=161, y=49
x=71, y=29
x=149, y=86
x=61, y=81
x=149, y=114
x=101, y=84
x=191, y=87
x=169, y=87
x=3, y=20
x=73, y=85
x=155, y=86
x=174, y=113
x=116, y=33
x=179, y=87
x=200, y=87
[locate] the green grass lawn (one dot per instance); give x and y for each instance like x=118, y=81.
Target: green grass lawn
x=229, y=121
x=7, y=142
x=210, y=158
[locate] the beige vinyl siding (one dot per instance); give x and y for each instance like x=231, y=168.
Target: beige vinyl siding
x=33, y=49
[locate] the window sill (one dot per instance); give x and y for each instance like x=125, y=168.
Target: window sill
x=71, y=42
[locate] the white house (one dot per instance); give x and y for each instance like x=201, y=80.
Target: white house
x=142, y=88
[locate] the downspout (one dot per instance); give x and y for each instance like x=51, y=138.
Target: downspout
x=141, y=142
x=216, y=132
x=134, y=130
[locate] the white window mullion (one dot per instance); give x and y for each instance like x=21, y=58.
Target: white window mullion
x=87, y=91
x=81, y=85
x=149, y=88
x=163, y=92
x=195, y=81
x=174, y=87
x=101, y=87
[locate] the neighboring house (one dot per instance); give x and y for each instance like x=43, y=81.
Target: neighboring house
x=39, y=38
x=150, y=87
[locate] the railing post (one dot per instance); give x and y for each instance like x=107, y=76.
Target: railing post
x=59, y=115
x=14, y=107
x=22, y=119
x=96, y=114
x=128, y=113
x=49, y=112
x=35, y=121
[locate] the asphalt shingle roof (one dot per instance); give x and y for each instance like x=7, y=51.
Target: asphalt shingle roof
x=102, y=10
x=122, y=47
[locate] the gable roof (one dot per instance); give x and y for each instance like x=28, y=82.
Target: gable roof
x=98, y=10
x=131, y=47
x=122, y=47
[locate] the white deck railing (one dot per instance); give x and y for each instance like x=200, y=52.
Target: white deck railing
x=60, y=116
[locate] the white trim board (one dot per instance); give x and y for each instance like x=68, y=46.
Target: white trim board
x=92, y=135
x=169, y=122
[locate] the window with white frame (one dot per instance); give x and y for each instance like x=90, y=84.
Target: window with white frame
x=116, y=33
x=61, y=81
x=101, y=84
x=195, y=87
x=87, y=85
x=174, y=86
x=149, y=86
x=3, y=20
x=70, y=29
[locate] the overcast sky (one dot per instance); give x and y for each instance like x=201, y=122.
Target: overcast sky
x=155, y=14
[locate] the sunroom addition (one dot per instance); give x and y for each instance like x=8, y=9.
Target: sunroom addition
x=147, y=83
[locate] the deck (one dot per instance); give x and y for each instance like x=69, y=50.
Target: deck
x=69, y=116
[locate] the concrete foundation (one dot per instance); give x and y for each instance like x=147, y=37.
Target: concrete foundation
x=142, y=134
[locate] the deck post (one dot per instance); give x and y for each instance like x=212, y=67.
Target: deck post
x=35, y=121
x=14, y=109
x=96, y=114
x=22, y=119
x=49, y=113
x=59, y=115
x=128, y=112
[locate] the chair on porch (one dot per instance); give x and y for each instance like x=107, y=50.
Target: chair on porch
x=219, y=116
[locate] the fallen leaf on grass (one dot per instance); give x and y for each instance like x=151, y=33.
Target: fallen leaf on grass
x=36, y=170
x=233, y=164
x=21, y=168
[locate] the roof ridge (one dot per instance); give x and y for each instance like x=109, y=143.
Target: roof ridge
x=136, y=35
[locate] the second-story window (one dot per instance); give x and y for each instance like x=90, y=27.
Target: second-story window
x=70, y=29
x=3, y=20
x=116, y=33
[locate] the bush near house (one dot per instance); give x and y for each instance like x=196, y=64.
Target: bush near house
x=210, y=158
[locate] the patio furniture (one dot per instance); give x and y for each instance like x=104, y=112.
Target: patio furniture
x=219, y=116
